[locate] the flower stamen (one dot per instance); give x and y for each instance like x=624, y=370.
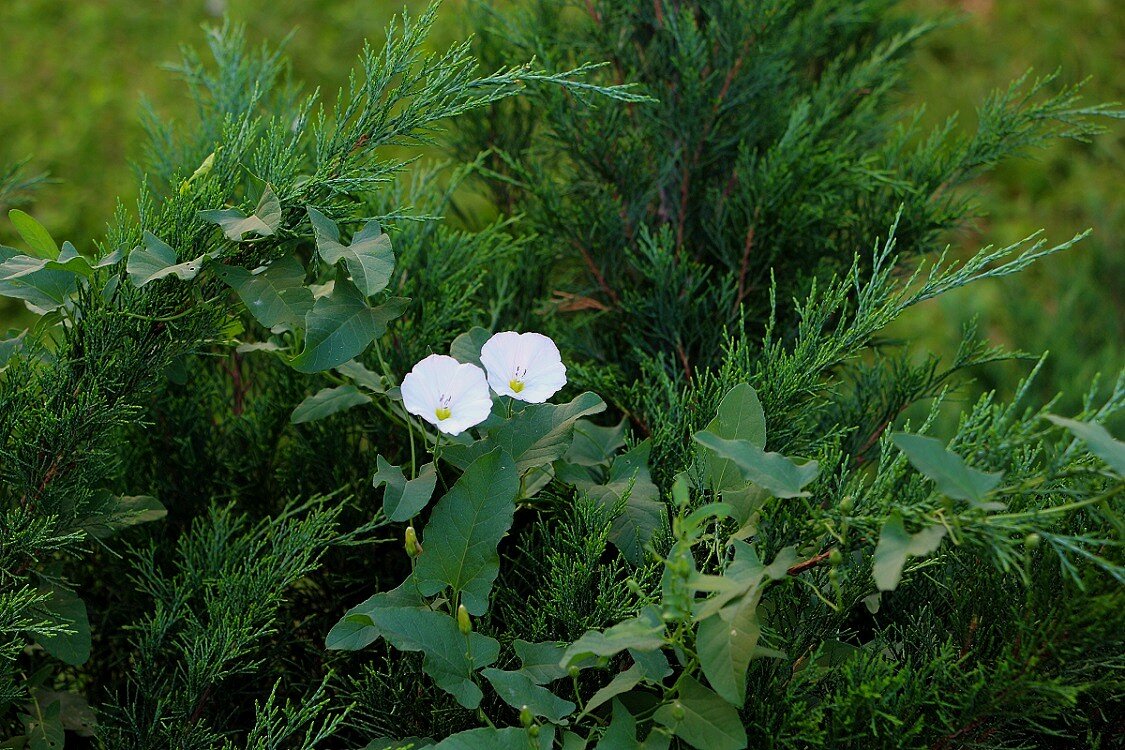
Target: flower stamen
x=443, y=412
x=516, y=383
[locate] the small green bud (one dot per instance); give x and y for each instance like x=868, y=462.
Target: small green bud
x=1032, y=541
x=835, y=557
x=573, y=671
x=846, y=504
x=413, y=548
x=533, y=731
x=526, y=719
x=833, y=576
x=464, y=622
x=678, y=711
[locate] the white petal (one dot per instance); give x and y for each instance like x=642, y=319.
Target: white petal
x=424, y=384
x=543, y=372
x=543, y=382
x=499, y=355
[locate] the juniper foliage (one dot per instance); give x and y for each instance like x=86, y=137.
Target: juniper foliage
x=720, y=256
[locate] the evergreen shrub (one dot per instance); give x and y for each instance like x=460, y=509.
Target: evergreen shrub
x=250, y=501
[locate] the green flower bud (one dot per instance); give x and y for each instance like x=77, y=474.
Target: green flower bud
x=413, y=548
x=845, y=505
x=573, y=671
x=1032, y=541
x=464, y=622
x=526, y=719
x=678, y=711
x=533, y=731
x=835, y=557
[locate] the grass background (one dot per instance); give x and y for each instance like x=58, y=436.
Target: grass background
x=73, y=74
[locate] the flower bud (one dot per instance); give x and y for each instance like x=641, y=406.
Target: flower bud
x=835, y=557
x=678, y=711
x=845, y=505
x=533, y=731
x=413, y=548
x=573, y=671
x=464, y=622
x=1032, y=541
x=526, y=719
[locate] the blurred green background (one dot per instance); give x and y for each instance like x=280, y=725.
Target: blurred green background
x=72, y=77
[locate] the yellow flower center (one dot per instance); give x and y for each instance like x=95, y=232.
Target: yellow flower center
x=442, y=412
x=515, y=385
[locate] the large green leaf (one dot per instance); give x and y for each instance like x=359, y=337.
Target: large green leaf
x=117, y=513
x=540, y=661
x=1097, y=438
x=631, y=489
x=593, y=445
x=369, y=258
x=725, y=644
x=451, y=657
x=357, y=630
x=771, y=471
x=645, y=632
x=487, y=738
x=403, y=499
x=69, y=259
x=707, y=721
x=341, y=325
x=517, y=689
x=622, y=733
x=536, y=435
x=328, y=401
x=156, y=259
x=265, y=220
x=44, y=289
x=739, y=417
x=67, y=609
x=952, y=476
x=36, y=236
x=464, y=530
x=275, y=295
x=896, y=544
x=466, y=347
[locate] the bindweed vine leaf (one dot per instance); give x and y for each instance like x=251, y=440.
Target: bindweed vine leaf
x=464, y=530
x=265, y=220
x=487, y=738
x=739, y=417
x=36, y=236
x=725, y=644
x=44, y=289
x=451, y=657
x=536, y=435
x=341, y=325
x=466, y=347
x=357, y=630
x=328, y=401
x=896, y=545
x=771, y=471
x=540, y=661
x=1098, y=440
x=951, y=475
x=369, y=259
x=593, y=445
x=645, y=632
x=517, y=689
x=275, y=295
x=403, y=499
x=702, y=719
x=157, y=260
x=68, y=610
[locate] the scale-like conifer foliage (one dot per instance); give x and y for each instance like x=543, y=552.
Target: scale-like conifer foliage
x=223, y=525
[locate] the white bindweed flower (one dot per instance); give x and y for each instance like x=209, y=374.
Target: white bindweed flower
x=526, y=366
x=449, y=395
